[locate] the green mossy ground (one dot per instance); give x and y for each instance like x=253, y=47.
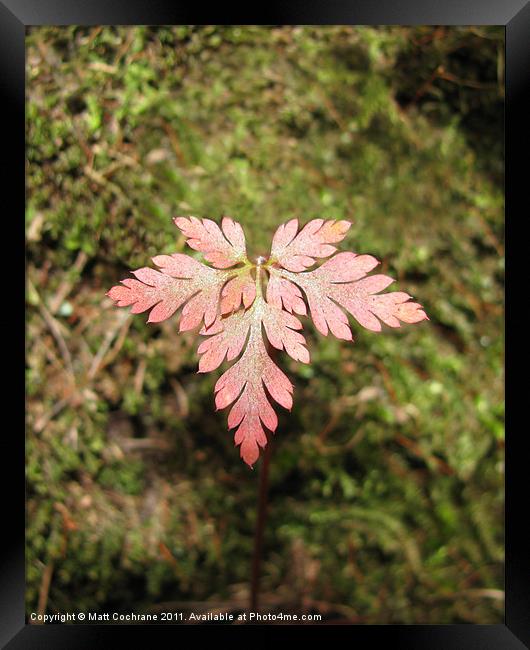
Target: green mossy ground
x=386, y=499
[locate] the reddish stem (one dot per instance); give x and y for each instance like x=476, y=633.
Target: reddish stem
x=260, y=526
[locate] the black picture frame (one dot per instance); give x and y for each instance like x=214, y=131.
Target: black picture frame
x=15, y=16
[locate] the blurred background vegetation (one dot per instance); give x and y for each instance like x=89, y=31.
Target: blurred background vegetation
x=386, y=497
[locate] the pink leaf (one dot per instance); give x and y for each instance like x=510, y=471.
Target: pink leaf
x=238, y=321
x=222, y=248
x=240, y=289
x=284, y=294
x=296, y=252
x=152, y=290
x=182, y=280
x=178, y=265
x=347, y=267
x=340, y=282
x=245, y=382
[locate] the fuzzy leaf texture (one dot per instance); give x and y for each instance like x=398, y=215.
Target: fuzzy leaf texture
x=242, y=319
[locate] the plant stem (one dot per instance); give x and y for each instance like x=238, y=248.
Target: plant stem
x=260, y=526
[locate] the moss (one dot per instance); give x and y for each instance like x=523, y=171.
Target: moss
x=386, y=478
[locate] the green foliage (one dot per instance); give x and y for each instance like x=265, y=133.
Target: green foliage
x=387, y=477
